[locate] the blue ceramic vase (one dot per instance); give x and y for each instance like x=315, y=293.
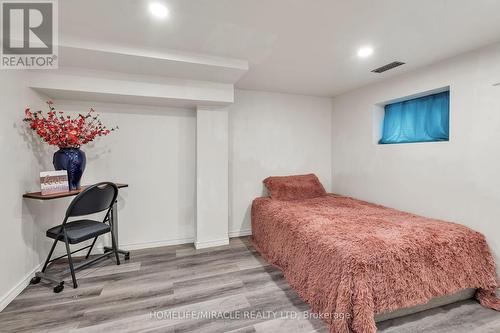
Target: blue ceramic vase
x=73, y=160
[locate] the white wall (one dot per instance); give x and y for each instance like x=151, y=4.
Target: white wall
x=19, y=237
x=154, y=152
x=212, y=163
x=274, y=134
x=457, y=180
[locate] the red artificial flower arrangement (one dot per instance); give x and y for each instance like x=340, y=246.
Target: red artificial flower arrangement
x=61, y=130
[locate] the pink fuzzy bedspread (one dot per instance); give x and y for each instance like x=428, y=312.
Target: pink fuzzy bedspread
x=350, y=259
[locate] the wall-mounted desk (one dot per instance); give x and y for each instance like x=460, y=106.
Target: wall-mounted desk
x=114, y=210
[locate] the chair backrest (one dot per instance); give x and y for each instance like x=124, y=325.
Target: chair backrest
x=93, y=199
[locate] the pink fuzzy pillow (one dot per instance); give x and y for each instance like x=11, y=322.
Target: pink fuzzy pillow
x=294, y=187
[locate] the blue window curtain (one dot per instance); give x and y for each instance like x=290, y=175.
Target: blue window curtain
x=421, y=119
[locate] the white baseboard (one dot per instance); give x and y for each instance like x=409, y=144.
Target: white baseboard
x=211, y=243
x=149, y=245
x=16, y=290
x=240, y=233
x=137, y=246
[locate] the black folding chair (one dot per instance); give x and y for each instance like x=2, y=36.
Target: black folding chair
x=94, y=199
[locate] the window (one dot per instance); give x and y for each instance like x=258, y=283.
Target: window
x=423, y=119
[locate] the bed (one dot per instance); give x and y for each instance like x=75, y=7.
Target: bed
x=355, y=262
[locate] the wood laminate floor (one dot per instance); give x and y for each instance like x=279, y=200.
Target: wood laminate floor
x=180, y=289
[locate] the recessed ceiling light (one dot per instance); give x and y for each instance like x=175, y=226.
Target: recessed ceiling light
x=158, y=10
x=365, y=52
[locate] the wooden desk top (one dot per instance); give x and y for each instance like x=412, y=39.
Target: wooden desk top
x=39, y=196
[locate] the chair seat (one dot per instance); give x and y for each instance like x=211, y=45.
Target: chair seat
x=79, y=231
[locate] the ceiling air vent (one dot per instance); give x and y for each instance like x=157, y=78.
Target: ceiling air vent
x=388, y=66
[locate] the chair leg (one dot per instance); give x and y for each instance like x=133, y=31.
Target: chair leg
x=91, y=247
x=49, y=256
x=71, y=267
x=115, y=248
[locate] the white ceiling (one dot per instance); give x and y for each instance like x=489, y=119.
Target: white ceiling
x=295, y=46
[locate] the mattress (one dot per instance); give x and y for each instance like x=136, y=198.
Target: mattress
x=351, y=260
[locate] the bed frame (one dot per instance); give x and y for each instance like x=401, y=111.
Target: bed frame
x=433, y=303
